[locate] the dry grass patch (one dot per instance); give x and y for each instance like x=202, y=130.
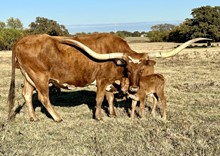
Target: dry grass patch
x=193, y=126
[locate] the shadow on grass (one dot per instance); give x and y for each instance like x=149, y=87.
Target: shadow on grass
x=76, y=98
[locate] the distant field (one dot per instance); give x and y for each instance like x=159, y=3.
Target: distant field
x=137, y=39
x=193, y=126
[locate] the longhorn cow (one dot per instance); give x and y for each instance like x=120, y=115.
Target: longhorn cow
x=76, y=61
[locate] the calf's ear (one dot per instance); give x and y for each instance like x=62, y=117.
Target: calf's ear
x=150, y=62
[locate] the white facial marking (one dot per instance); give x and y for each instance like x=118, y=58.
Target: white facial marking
x=133, y=60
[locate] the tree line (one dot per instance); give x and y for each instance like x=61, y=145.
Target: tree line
x=13, y=29
x=205, y=22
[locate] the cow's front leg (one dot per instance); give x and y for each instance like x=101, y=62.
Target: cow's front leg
x=101, y=86
x=110, y=99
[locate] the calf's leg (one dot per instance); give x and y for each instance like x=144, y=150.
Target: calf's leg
x=142, y=97
x=133, y=107
x=154, y=105
x=163, y=103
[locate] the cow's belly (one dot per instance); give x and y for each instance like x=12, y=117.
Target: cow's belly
x=73, y=77
x=71, y=85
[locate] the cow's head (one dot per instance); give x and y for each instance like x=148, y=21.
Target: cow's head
x=135, y=65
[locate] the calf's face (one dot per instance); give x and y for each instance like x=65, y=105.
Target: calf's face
x=134, y=72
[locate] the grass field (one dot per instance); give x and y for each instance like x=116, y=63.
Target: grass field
x=192, y=128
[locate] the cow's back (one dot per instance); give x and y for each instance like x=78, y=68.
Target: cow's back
x=104, y=43
x=68, y=64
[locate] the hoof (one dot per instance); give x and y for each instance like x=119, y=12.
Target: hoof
x=32, y=119
x=112, y=116
x=11, y=117
x=98, y=118
x=132, y=117
x=164, y=118
x=153, y=114
x=58, y=120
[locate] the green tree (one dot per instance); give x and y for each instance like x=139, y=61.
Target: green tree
x=8, y=37
x=155, y=36
x=2, y=25
x=14, y=23
x=136, y=34
x=163, y=27
x=160, y=32
x=205, y=23
x=43, y=25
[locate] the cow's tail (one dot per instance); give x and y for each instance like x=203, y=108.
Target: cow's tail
x=11, y=94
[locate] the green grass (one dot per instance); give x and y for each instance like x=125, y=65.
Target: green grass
x=193, y=125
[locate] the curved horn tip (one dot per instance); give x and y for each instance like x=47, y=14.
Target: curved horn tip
x=201, y=38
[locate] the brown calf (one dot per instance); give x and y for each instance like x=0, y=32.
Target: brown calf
x=149, y=84
x=122, y=86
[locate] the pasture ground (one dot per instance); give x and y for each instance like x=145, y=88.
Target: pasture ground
x=193, y=125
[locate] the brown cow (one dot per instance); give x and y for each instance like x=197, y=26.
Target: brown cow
x=149, y=84
x=78, y=61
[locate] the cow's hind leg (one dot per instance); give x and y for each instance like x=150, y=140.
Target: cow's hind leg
x=41, y=82
x=43, y=96
x=28, y=93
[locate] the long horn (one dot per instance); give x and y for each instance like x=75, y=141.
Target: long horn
x=92, y=53
x=177, y=50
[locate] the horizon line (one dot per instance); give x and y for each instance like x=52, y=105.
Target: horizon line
x=123, y=23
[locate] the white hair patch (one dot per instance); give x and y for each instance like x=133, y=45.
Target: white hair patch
x=136, y=61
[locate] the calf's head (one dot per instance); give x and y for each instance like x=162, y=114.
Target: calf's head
x=133, y=71
x=135, y=64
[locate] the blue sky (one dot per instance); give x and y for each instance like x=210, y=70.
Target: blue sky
x=80, y=12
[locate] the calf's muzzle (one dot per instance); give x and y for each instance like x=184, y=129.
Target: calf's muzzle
x=134, y=89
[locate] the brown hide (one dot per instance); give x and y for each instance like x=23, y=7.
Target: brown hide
x=65, y=63
x=149, y=84
x=43, y=59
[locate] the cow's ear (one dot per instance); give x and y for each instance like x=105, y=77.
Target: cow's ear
x=152, y=62
x=120, y=62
